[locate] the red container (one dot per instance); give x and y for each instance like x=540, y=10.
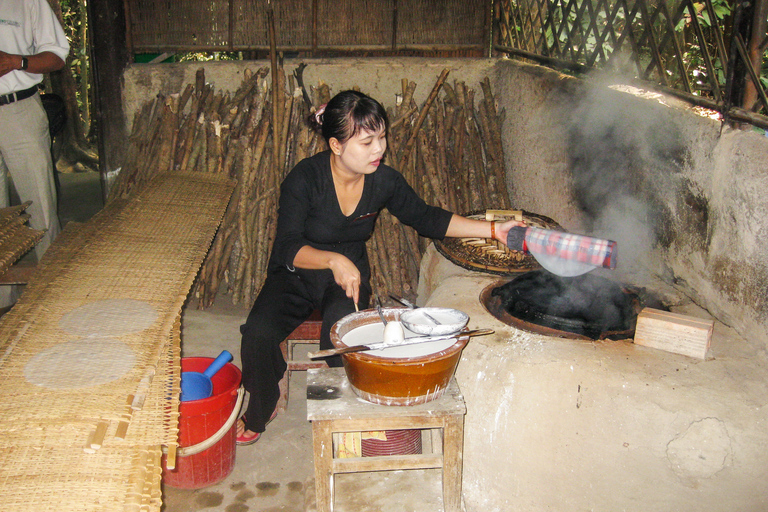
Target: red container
x=398, y=442
x=201, y=419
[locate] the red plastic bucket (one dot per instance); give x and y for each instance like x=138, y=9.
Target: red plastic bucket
x=200, y=420
x=397, y=442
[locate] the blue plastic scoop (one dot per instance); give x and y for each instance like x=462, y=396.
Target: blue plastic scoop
x=196, y=385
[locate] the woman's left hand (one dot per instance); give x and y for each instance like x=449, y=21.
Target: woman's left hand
x=502, y=229
x=464, y=227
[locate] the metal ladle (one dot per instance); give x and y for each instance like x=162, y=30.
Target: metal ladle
x=381, y=313
x=411, y=305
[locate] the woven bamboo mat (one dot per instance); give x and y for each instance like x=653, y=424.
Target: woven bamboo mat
x=90, y=355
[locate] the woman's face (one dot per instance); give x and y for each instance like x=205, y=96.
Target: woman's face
x=362, y=153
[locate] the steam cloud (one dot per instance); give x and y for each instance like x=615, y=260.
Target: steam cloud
x=623, y=151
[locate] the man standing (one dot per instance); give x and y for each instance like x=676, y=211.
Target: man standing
x=32, y=42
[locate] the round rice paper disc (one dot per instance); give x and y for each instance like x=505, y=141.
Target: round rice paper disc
x=110, y=317
x=80, y=363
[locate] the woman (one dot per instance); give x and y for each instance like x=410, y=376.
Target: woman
x=327, y=210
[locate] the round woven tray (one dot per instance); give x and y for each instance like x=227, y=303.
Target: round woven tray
x=491, y=256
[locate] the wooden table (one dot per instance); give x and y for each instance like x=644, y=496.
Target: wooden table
x=333, y=407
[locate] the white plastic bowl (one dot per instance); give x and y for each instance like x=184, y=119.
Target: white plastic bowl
x=449, y=320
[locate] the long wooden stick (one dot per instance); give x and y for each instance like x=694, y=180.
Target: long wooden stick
x=423, y=114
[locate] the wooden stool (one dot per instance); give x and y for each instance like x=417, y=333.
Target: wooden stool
x=307, y=333
x=332, y=407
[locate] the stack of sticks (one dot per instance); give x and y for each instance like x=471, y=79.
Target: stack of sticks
x=448, y=150
x=451, y=154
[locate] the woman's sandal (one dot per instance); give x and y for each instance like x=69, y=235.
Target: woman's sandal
x=244, y=439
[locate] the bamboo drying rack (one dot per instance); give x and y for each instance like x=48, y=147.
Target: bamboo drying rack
x=99, y=447
x=15, y=237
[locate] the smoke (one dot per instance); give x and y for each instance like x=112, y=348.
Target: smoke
x=623, y=151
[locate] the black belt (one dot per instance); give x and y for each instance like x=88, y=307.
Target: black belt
x=5, y=99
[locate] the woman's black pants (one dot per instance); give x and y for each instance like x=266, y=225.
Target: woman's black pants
x=285, y=301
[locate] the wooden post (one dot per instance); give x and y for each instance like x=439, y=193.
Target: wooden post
x=323, y=453
x=110, y=57
x=453, y=449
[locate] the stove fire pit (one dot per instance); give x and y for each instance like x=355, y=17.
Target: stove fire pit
x=582, y=307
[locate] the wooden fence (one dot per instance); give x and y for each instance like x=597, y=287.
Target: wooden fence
x=309, y=26
x=679, y=45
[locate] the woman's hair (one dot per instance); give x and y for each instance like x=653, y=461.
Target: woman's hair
x=346, y=114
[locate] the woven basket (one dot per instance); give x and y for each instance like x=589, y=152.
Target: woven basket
x=491, y=256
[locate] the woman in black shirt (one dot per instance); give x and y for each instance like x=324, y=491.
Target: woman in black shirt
x=327, y=210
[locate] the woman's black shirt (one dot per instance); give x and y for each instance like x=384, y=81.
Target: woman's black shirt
x=309, y=213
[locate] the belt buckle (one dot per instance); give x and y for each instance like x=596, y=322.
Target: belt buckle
x=7, y=99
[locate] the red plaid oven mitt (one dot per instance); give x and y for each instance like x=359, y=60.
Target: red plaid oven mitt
x=568, y=246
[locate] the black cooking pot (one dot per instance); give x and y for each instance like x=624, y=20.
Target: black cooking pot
x=586, y=306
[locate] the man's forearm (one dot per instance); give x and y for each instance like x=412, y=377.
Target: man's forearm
x=44, y=62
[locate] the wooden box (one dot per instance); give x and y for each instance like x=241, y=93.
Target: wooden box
x=673, y=332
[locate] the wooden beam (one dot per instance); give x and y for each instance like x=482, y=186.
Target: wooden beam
x=110, y=53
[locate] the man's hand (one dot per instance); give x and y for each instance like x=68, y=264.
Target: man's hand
x=9, y=62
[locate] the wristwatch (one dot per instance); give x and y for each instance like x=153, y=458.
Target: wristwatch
x=24, y=63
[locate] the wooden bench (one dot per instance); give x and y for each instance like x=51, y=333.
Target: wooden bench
x=333, y=407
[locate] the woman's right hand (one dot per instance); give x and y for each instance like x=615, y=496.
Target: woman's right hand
x=346, y=274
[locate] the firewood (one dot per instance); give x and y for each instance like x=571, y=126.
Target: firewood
x=259, y=212
x=293, y=130
x=206, y=97
x=214, y=145
x=200, y=81
x=184, y=97
x=201, y=158
x=284, y=139
x=256, y=111
x=423, y=114
x=242, y=225
x=404, y=108
x=214, y=105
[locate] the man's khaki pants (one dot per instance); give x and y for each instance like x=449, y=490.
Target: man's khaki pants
x=25, y=157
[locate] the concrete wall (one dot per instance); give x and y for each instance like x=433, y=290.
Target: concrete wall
x=379, y=78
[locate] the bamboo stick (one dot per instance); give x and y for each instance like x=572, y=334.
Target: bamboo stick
x=242, y=225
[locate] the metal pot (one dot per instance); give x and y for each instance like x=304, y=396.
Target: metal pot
x=395, y=381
